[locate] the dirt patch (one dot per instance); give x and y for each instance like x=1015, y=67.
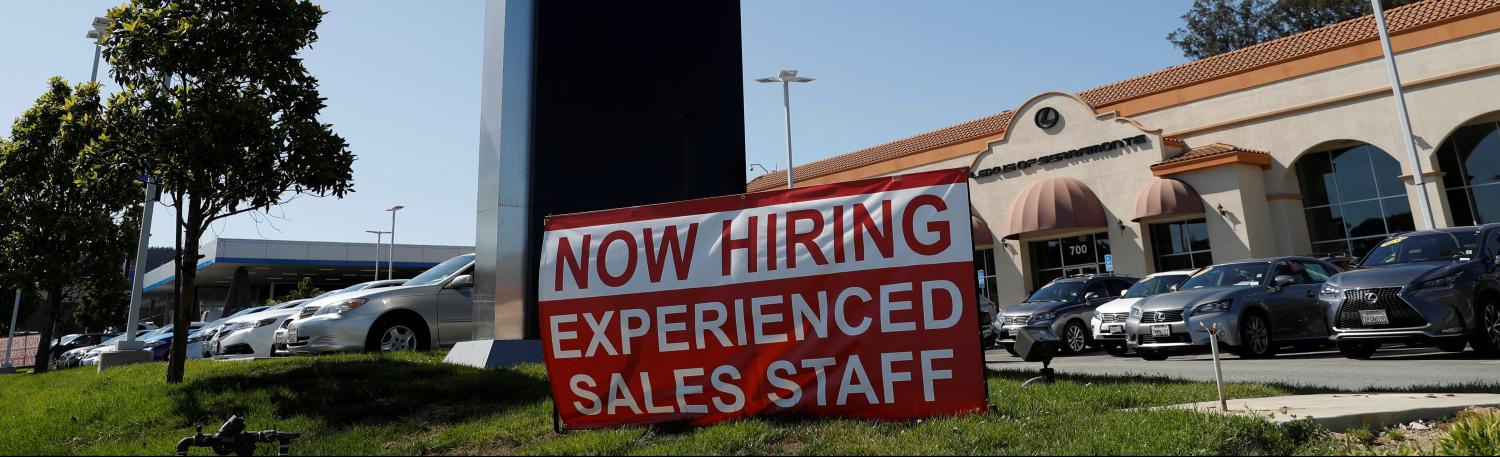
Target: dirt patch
x=1419, y=436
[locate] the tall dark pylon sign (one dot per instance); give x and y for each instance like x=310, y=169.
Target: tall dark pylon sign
x=588, y=105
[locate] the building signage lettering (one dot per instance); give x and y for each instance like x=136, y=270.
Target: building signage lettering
x=853, y=299
x=1061, y=156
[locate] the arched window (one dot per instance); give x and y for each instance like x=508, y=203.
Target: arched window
x=1353, y=198
x=1471, y=157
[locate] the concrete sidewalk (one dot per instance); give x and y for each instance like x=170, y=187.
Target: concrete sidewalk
x=1344, y=412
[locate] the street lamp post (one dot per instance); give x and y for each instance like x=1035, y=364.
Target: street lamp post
x=378, y=235
x=1423, y=200
x=391, y=253
x=11, y=341
x=101, y=28
x=786, y=78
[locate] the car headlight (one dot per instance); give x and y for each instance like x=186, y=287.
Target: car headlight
x=347, y=305
x=1135, y=313
x=1098, y=316
x=1446, y=282
x=1330, y=292
x=1214, y=307
x=1041, y=317
x=266, y=321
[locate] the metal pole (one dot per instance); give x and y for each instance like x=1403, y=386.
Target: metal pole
x=1400, y=96
x=136, y=285
x=94, y=76
x=1213, y=344
x=390, y=252
x=786, y=105
x=11, y=341
x=378, y=237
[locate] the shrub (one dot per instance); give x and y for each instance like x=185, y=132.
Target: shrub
x=1474, y=435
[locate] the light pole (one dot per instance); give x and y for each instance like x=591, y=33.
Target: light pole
x=786, y=78
x=391, y=253
x=11, y=341
x=101, y=29
x=1400, y=96
x=378, y=235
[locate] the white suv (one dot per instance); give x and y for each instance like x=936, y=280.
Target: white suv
x=1109, y=319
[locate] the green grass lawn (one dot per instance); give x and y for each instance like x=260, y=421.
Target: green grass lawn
x=413, y=404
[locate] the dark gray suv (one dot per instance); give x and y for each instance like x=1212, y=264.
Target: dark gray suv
x=1439, y=287
x=1063, y=306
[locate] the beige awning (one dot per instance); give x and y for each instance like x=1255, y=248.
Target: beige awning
x=1055, y=204
x=1167, y=198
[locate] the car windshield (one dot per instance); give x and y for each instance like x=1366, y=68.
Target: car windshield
x=1422, y=248
x=443, y=270
x=1057, y=291
x=1236, y=274
x=286, y=305
x=1154, y=285
x=241, y=313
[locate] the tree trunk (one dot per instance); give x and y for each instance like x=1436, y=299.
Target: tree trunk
x=43, y=360
x=183, y=316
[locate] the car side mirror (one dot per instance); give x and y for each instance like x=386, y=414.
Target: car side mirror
x=1123, y=292
x=1282, y=281
x=1091, y=296
x=461, y=282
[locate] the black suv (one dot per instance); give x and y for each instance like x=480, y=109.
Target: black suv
x=1438, y=287
x=1063, y=306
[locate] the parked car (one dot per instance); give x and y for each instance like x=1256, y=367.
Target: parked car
x=433, y=309
x=73, y=358
x=1439, y=288
x=1108, y=324
x=989, y=333
x=251, y=335
x=160, y=344
x=91, y=358
x=278, y=345
x=1063, y=306
x=1258, y=305
x=75, y=341
x=199, y=341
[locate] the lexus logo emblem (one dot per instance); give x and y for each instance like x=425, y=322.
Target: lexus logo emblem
x=1372, y=297
x=1161, y=316
x=1047, y=118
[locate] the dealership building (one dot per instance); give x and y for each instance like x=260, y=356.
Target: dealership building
x=1287, y=147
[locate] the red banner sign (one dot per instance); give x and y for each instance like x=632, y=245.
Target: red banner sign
x=23, y=352
x=854, y=299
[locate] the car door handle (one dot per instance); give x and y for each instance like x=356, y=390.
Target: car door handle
x=1312, y=293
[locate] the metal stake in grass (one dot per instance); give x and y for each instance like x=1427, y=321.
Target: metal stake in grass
x=1213, y=345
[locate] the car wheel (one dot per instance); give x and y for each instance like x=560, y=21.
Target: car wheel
x=1453, y=345
x=395, y=335
x=1486, y=339
x=1117, y=350
x=1255, y=338
x=1075, y=338
x=1358, y=351
x=1011, y=348
x=1151, y=355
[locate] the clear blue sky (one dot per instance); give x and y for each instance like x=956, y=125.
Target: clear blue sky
x=402, y=82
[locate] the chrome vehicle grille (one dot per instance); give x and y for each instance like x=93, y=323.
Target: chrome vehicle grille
x=1113, y=318
x=1181, y=338
x=308, y=312
x=1159, y=317
x=1400, y=313
x=1014, y=320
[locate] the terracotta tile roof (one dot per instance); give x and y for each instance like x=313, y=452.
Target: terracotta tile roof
x=1303, y=44
x=978, y=128
x=1212, y=150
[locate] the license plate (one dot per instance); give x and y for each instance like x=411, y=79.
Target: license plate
x=1115, y=329
x=1161, y=330
x=1374, y=317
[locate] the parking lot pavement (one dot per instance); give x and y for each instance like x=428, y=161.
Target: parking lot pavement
x=1392, y=368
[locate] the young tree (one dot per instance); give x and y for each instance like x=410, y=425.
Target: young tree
x=1215, y=27
x=227, y=113
x=304, y=289
x=65, y=195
